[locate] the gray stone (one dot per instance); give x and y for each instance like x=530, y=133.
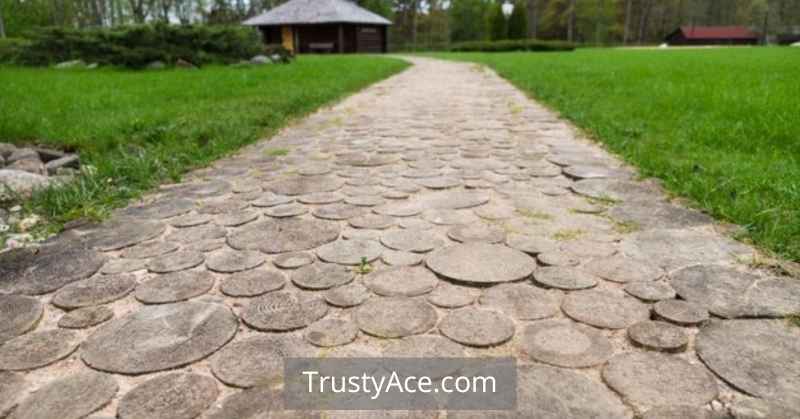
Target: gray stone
x=650, y=215
x=260, y=60
x=546, y=392
x=564, y=278
x=236, y=219
x=72, y=397
x=6, y=150
x=38, y=349
x=605, y=309
x=558, y=258
x=293, y=260
x=447, y=295
x=33, y=166
x=650, y=291
x=231, y=261
x=563, y=343
x=327, y=333
x=454, y=200
x=162, y=209
x=286, y=210
x=86, y=317
x=36, y=272
x=149, y=250
x=255, y=403
x=350, y=252
x=758, y=357
x=481, y=263
x=522, y=301
x=423, y=346
x=621, y=269
x=762, y=409
x=189, y=236
x=731, y=293
x=478, y=232
x=158, y=338
x=304, y=185
x=281, y=236
x=258, y=360
x=372, y=222
x=283, y=311
x=675, y=249
x=615, y=190
x=12, y=387
x=94, y=291
x=532, y=245
x=338, y=212
x=448, y=217
x=120, y=234
x=659, y=336
x=320, y=198
x=171, y=396
x=652, y=379
x=477, y=327
x=20, y=182
x=20, y=314
x=401, y=281
x=440, y=182
x=395, y=258
x=592, y=172
x=156, y=65
x=253, y=283
x=677, y=412
x=271, y=200
x=681, y=312
x=411, y=240
x=395, y=317
x=121, y=266
x=400, y=209
x=350, y=295
x=174, y=287
x=177, y=261
x=322, y=276
x=365, y=200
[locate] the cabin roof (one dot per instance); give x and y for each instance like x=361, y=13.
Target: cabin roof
x=300, y=12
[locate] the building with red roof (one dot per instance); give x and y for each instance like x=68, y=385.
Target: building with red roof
x=713, y=35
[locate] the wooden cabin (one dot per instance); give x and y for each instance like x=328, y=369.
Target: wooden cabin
x=323, y=26
x=712, y=35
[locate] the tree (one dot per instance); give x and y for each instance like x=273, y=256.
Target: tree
x=381, y=7
x=497, y=23
x=533, y=18
x=518, y=22
x=468, y=20
x=2, y=25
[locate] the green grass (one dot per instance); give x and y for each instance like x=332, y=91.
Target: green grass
x=139, y=129
x=721, y=126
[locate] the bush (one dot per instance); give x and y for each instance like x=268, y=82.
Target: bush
x=10, y=49
x=512, y=45
x=137, y=46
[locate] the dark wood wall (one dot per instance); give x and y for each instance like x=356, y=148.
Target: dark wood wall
x=354, y=38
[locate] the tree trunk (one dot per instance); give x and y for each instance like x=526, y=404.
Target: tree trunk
x=627, y=29
x=644, y=20
x=571, y=21
x=2, y=25
x=533, y=18
x=414, y=24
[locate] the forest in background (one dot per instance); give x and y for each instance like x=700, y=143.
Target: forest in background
x=435, y=24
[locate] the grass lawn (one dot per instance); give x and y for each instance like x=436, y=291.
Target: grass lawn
x=142, y=128
x=721, y=126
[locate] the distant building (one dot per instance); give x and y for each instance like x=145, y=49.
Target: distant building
x=788, y=39
x=713, y=35
x=305, y=26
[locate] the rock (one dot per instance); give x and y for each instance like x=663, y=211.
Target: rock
x=38, y=349
x=122, y=233
x=477, y=327
x=762, y=409
x=70, y=64
x=675, y=249
x=156, y=65
x=604, y=309
x=652, y=380
x=70, y=161
x=20, y=314
x=158, y=338
x=282, y=311
x=393, y=317
x=331, y=332
x=659, y=336
x=171, y=396
x=260, y=60
x=731, y=293
x=758, y=357
x=20, y=183
x=650, y=290
x=563, y=343
x=621, y=269
x=73, y=397
x=12, y=387
x=481, y=263
x=181, y=63
x=678, y=412
x=83, y=318
x=92, y=66
x=258, y=360
x=39, y=272
x=7, y=149
x=681, y=312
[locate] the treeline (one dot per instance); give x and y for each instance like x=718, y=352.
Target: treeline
x=428, y=24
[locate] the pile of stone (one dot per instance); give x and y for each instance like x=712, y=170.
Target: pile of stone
x=24, y=169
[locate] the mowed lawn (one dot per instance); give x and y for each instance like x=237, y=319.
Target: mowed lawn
x=141, y=128
x=721, y=126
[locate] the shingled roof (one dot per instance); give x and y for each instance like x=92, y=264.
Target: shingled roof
x=299, y=12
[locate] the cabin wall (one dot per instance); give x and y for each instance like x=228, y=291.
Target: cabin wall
x=354, y=38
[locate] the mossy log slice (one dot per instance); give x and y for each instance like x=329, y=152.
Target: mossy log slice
x=19, y=315
x=481, y=263
x=285, y=235
x=158, y=338
x=38, y=349
x=72, y=397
